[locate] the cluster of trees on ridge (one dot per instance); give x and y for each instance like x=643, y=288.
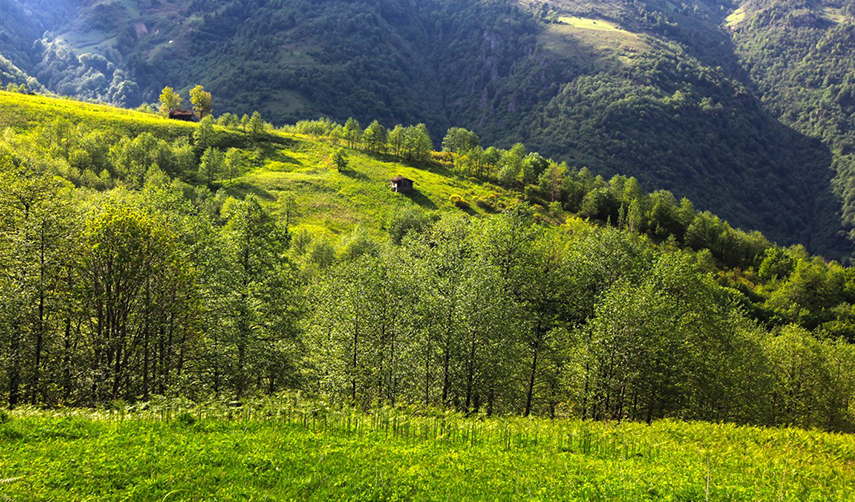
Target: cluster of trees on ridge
x=151, y=284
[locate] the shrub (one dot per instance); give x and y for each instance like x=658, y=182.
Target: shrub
x=459, y=201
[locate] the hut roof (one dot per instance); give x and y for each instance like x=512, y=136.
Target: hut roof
x=182, y=114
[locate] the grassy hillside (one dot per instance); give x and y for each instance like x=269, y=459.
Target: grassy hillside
x=278, y=451
x=334, y=201
x=286, y=166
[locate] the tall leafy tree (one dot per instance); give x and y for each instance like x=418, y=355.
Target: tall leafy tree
x=375, y=136
x=202, y=101
x=169, y=100
x=459, y=140
x=261, y=308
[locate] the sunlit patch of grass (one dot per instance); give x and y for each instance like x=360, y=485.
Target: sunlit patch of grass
x=735, y=18
x=360, y=195
x=289, y=450
x=589, y=39
x=592, y=24
x=834, y=15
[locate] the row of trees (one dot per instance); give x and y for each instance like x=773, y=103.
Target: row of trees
x=123, y=295
x=411, y=143
x=127, y=294
x=81, y=155
x=101, y=159
x=157, y=287
x=620, y=201
x=500, y=315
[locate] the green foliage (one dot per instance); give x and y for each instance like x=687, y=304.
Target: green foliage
x=213, y=165
x=143, y=282
x=169, y=100
x=352, y=133
x=405, y=222
x=375, y=137
x=202, y=101
x=339, y=159
x=459, y=201
x=459, y=140
x=255, y=126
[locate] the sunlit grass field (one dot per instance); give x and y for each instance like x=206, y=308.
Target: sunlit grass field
x=287, y=166
x=591, y=40
x=287, y=450
x=335, y=202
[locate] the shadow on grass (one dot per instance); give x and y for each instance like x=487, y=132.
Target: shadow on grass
x=424, y=166
x=356, y=175
x=420, y=199
x=241, y=190
x=279, y=156
x=468, y=210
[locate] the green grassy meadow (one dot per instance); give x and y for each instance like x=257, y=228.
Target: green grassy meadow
x=276, y=451
x=287, y=166
x=333, y=202
x=590, y=40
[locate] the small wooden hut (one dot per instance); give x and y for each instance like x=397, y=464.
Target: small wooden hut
x=400, y=184
x=184, y=115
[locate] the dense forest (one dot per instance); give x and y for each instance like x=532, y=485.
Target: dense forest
x=697, y=98
x=132, y=268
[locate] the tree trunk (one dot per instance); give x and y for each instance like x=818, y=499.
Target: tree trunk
x=470, y=373
x=446, y=361
x=530, y=390
x=14, y=368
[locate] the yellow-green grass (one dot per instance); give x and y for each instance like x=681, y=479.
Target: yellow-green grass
x=360, y=195
x=279, y=451
x=22, y=111
x=735, y=18
x=836, y=16
x=830, y=14
x=591, y=24
x=589, y=39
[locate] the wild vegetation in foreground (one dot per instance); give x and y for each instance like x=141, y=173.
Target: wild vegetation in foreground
x=289, y=449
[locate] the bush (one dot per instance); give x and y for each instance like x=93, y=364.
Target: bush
x=404, y=222
x=459, y=201
x=484, y=203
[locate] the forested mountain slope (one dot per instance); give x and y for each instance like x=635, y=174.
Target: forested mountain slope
x=677, y=95
x=799, y=58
